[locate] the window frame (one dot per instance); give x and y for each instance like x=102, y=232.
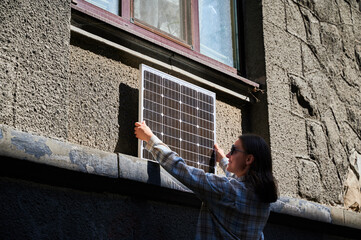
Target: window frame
x=124, y=22
x=160, y=32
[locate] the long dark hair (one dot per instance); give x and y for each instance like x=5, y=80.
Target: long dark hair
x=260, y=175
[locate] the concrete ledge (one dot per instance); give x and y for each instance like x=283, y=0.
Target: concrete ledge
x=317, y=212
x=141, y=170
x=302, y=208
x=352, y=219
x=26, y=146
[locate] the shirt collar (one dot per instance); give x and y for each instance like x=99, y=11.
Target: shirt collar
x=241, y=178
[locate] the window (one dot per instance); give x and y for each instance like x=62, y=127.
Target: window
x=216, y=27
x=171, y=17
x=109, y=5
x=207, y=28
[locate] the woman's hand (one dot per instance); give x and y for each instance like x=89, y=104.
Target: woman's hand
x=219, y=153
x=142, y=131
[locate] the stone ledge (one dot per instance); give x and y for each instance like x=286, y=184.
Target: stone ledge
x=302, y=208
x=317, y=212
x=26, y=146
x=346, y=217
x=30, y=147
x=145, y=171
x=352, y=219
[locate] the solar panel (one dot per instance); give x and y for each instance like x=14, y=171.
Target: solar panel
x=180, y=114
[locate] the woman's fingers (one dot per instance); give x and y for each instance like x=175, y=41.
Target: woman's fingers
x=142, y=131
x=217, y=148
x=219, y=152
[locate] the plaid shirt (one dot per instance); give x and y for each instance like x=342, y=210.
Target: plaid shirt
x=229, y=209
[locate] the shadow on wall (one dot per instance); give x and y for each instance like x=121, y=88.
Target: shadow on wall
x=127, y=142
x=127, y=116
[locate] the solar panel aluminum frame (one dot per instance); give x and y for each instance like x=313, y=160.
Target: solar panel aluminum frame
x=144, y=68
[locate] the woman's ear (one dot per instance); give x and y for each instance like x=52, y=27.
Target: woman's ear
x=250, y=159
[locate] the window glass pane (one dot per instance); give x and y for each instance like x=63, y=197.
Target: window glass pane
x=109, y=5
x=170, y=16
x=216, y=30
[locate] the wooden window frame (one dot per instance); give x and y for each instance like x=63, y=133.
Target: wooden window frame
x=124, y=22
x=160, y=32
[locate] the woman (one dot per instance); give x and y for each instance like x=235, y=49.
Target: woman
x=235, y=206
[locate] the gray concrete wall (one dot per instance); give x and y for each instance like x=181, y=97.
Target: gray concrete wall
x=63, y=213
x=34, y=65
x=312, y=55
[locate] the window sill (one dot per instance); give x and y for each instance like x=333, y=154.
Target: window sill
x=25, y=146
x=120, y=30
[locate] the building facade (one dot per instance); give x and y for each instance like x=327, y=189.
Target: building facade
x=287, y=70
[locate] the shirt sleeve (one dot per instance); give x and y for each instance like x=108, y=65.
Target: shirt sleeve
x=223, y=164
x=207, y=186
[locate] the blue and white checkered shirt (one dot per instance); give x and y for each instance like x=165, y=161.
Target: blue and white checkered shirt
x=229, y=209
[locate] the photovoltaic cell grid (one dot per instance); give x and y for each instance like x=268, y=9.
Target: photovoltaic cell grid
x=181, y=114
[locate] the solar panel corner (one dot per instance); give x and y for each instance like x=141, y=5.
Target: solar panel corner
x=181, y=114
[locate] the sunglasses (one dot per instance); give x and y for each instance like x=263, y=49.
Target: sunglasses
x=234, y=149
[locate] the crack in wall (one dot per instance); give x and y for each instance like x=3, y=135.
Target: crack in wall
x=330, y=155
x=301, y=100
x=358, y=135
x=358, y=57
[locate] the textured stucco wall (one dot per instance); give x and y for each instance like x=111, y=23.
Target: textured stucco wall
x=312, y=54
x=104, y=97
x=82, y=93
x=103, y=100
x=34, y=65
